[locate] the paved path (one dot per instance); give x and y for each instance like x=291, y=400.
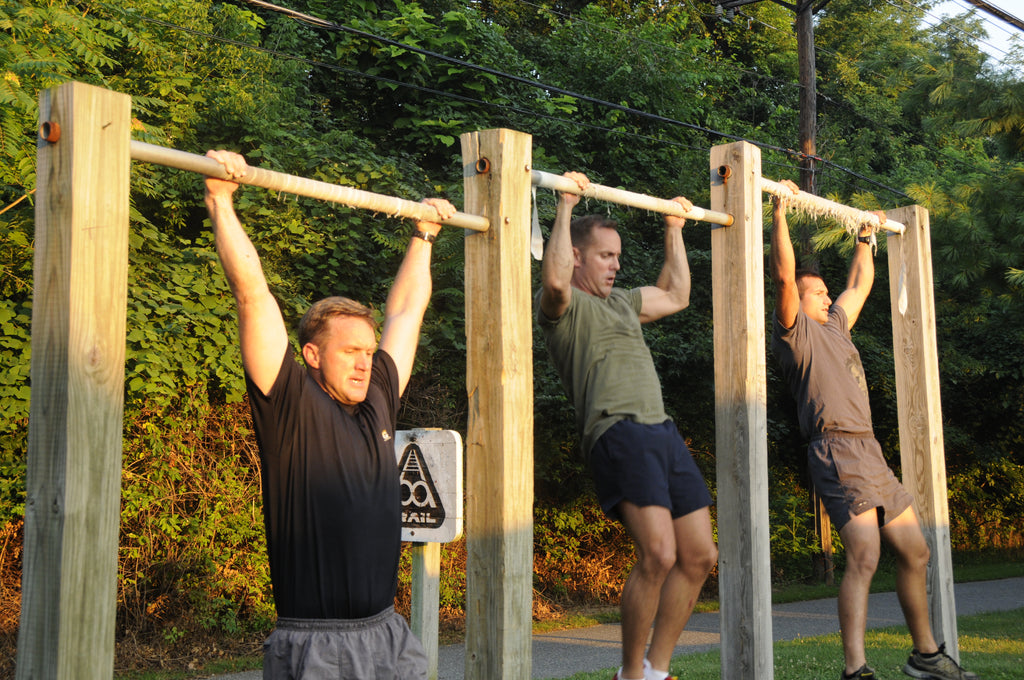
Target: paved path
x=564, y=653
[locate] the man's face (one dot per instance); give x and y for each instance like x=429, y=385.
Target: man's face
x=598, y=262
x=814, y=299
x=343, y=359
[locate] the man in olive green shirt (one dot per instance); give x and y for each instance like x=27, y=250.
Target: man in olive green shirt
x=643, y=472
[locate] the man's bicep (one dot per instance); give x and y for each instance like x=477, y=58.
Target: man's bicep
x=263, y=339
x=657, y=303
x=787, y=304
x=852, y=301
x=554, y=302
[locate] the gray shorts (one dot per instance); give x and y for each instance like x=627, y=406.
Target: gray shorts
x=380, y=647
x=852, y=477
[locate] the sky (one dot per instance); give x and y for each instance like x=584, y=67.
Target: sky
x=999, y=32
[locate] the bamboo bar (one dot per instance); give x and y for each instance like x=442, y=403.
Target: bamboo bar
x=301, y=186
x=547, y=180
x=852, y=218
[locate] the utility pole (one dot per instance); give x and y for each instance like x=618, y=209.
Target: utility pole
x=805, y=11
x=808, y=93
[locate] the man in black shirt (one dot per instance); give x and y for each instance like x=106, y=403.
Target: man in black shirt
x=326, y=435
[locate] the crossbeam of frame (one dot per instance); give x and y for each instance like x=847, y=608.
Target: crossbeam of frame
x=546, y=180
x=817, y=206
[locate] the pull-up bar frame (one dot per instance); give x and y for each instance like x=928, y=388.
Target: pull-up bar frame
x=74, y=448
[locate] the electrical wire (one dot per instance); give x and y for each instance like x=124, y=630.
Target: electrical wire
x=972, y=9
x=333, y=26
x=914, y=135
x=323, y=23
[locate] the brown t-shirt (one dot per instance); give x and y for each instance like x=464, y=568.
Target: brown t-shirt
x=823, y=369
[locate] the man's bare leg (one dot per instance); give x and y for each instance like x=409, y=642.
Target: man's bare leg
x=861, y=539
x=696, y=555
x=655, y=542
x=912, y=554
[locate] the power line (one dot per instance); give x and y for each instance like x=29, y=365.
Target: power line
x=549, y=88
x=914, y=135
x=998, y=13
x=977, y=38
x=323, y=23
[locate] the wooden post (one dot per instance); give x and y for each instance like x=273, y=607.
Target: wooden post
x=741, y=421
x=922, y=455
x=499, y=380
x=426, y=598
x=69, y=572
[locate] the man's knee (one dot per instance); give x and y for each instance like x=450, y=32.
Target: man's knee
x=698, y=560
x=655, y=561
x=914, y=554
x=863, y=557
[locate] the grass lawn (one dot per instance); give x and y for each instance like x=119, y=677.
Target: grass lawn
x=991, y=645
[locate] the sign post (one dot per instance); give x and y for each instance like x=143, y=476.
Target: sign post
x=430, y=472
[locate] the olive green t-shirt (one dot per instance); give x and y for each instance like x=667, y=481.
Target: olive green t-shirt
x=598, y=349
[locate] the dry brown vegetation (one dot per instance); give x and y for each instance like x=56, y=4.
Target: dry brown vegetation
x=167, y=635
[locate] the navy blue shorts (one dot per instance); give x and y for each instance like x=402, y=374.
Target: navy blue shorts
x=852, y=477
x=646, y=465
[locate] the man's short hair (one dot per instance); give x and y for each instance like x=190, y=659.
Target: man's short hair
x=316, y=318
x=581, y=228
x=805, y=273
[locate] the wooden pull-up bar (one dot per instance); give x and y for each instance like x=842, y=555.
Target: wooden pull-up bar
x=851, y=218
x=302, y=186
x=546, y=180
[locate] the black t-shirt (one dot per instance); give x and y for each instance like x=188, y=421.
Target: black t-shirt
x=331, y=496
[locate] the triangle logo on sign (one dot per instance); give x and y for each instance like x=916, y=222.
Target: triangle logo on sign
x=421, y=503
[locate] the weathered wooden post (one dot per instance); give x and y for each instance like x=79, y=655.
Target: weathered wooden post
x=72, y=508
x=741, y=420
x=922, y=455
x=499, y=381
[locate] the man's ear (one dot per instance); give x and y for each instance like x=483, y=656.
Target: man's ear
x=577, y=257
x=311, y=353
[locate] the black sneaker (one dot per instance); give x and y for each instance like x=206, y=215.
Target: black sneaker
x=865, y=672
x=938, y=667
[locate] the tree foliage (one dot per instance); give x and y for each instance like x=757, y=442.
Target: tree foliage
x=375, y=96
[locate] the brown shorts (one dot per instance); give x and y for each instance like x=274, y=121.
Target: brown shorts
x=851, y=477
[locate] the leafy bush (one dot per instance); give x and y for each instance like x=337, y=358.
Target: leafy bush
x=986, y=503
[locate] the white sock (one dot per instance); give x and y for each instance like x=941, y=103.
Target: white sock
x=650, y=673
x=620, y=676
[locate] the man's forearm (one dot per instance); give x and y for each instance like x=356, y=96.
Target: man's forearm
x=783, y=258
x=862, y=267
x=675, y=272
x=410, y=293
x=557, y=265
x=238, y=256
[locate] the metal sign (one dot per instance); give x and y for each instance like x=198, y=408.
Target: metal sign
x=430, y=472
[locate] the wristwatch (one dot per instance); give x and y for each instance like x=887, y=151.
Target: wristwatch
x=864, y=239
x=426, y=236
